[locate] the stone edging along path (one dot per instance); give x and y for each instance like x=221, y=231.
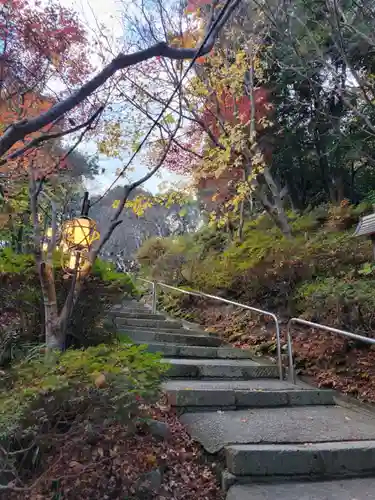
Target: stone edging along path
x=276, y=437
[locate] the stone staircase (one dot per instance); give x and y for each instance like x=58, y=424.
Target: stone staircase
x=279, y=440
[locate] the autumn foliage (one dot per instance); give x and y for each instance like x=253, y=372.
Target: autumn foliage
x=38, y=43
x=38, y=40
x=231, y=109
x=18, y=108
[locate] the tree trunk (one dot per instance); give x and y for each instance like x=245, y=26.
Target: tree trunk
x=278, y=211
x=283, y=223
x=54, y=337
x=242, y=220
x=278, y=216
x=340, y=188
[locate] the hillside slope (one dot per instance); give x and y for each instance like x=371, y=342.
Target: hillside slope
x=322, y=274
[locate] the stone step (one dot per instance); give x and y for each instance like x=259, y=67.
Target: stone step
x=181, y=331
x=273, y=462
x=347, y=489
x=127, y=309
x=146, y=323
x=220, y=368
x=138, y=315
x=147, y=337
x=133, y=303
x=195, y=394
x=279, y=426
x=186, y=351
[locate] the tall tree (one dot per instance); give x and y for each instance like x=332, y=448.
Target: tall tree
x=97, y=95
x=229, y=114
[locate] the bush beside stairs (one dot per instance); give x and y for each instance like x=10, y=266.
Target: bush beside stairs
x=279, y=440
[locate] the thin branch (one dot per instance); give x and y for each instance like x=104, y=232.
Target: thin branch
x=52, y=242
x=163, y=127
x=128, y=189
x=21, y=129
x=34, y=192
x=43, y=138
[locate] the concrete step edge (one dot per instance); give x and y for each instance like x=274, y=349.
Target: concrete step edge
x=318, y=460
x=194, y=340
x=215, y=371
x=342, y=489
x=186, y=351
x=147, y=331
x=164, y=330
x=138, y=315
x=247, y=398
x=154, y=324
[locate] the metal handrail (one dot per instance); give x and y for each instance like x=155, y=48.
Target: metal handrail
x=354, y=336
x=231, y=302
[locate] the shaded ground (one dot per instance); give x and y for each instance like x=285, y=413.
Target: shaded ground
x=116, y=464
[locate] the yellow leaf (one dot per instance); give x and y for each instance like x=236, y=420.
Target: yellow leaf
x=55, y=58
x=100, y=381
x=151, y=459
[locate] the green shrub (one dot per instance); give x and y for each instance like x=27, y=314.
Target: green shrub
x=347, y=303
x=320, y=213
x=370, y=197
x=266, y=268
x=106, y=272
x=332, y=254
x=261, y=223
x=151, y=250
x=305, y=223
x=212, y=274
x=254, y=249
x=209, y=240
x=169, y=268
x=14, y=263
x=364, y=208
x=22, y=303
x=344, y=216
x=83, y=389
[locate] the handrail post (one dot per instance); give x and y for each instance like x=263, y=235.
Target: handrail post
x=154, y=297
x=278, y=345
x=292, y=373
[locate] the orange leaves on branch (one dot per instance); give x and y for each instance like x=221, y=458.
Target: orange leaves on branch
x=237, y=109
x=39, y=39
x=190, y=39
x=40, y=42
x=44, y=162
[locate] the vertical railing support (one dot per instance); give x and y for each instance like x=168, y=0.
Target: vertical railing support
x=278, y=346
x=317, y=326
x=154, y=297
x=291, y=370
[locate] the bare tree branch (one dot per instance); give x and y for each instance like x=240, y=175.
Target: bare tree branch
x=162, y=127
x=128, y=189
x=43, y=138
x=21, y=129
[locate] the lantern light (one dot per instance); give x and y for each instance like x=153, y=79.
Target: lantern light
x=73, y=264
x=77, y=237
x=80, y=233
x=76, y=262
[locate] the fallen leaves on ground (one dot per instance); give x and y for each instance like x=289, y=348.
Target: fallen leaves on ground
x=110, y=464
x=332, y=361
